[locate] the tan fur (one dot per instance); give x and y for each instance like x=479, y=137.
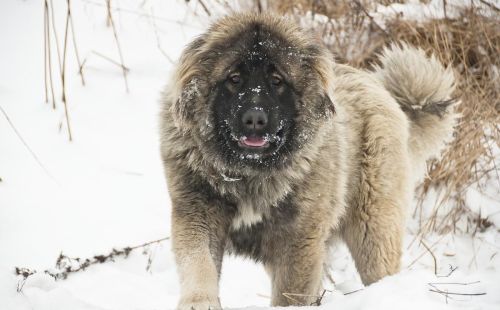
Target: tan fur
x=353, y=177
x=416, y=81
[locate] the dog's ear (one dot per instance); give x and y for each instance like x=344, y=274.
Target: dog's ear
x=185, y=104
x=187, y=83
x=322, y=62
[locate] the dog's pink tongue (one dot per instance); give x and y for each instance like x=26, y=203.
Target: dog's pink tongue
x=254, y=141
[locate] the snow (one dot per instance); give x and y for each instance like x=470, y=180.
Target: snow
x=415, y=10
x=106, y=189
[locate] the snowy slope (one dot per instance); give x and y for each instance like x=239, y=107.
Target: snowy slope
x=106, y=188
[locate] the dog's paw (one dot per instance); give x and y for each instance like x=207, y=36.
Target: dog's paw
x=199, y=303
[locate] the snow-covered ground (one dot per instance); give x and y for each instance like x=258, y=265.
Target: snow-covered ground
x=106, y=188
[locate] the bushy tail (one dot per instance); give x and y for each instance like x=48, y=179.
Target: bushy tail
x=422, y=86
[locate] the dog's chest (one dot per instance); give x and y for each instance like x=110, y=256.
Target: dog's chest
x=255, y=232
x=247, y=215
x=255, y=198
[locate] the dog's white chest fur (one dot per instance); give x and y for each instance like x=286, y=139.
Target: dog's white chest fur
x=246, y=216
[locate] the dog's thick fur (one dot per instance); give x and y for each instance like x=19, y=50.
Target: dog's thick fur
x=363, y=139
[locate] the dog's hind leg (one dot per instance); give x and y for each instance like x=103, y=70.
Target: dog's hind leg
x=375, y=240
x=373, y=227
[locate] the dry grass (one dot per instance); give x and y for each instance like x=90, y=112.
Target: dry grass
x=470, y=43
x=51, y=38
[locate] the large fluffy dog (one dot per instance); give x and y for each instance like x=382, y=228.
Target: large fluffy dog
x=272, y=150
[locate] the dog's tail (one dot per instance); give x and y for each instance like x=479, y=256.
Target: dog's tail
x=422, y=86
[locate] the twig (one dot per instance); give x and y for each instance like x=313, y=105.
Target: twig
x=289, y=296
x=317, y=302
x=111, y=60
x=446, y=297
x=491, y=257
x=452, y=270
x=436, y=289
x=63, y=72
x=25, y=273
x=45, y=53
x=355, y=291
x=423, y=253
x=263, y=296
x=26, y=145
x=158, y=43
x=474, y=257
x=362, y=7
x=461, y=294
x=66, y=265
x=110, y=19
x=204, y=7
x=80, y=70
x=141, y=14
x=108, y=15
x=292, y=295
x=453, y=283
x=55, y=34
x=432, y=254
x=491, y=5
x=48, y=52
x=80, y=64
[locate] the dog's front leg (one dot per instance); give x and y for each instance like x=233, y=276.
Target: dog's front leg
x=296, y=274
x=198, y=239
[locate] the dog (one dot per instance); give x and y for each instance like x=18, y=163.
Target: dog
x=273, y=151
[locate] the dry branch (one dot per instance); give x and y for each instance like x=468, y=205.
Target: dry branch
x=423, y=253
x=66, y=265
x=56, y=37
x=111, y=60
x=26, y=145
x=204, y=7
x=50, y=23
x=115, y=34
x=352, y=292
x=446, y=293
x=491, y=5
x=452, y=293
x=432, y=254
x=157, y=36
x=48, y=55
x=452, y=270
x=24, y=273
x=362, y=8
x=140, y=14
x=45, y=54
x=75, y=47
x=63, y=72
x=318, y=300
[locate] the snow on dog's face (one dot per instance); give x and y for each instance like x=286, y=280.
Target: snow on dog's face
x=255, y=106
x=256, y=89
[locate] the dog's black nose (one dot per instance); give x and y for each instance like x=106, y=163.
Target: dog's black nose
x=254, y=119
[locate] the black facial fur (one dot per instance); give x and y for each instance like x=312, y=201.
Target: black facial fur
x=256, y=87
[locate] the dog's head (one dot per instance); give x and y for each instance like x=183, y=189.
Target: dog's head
x=253, y=91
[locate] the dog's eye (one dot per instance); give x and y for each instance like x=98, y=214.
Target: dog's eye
x=235, y=78
x=275, y=79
